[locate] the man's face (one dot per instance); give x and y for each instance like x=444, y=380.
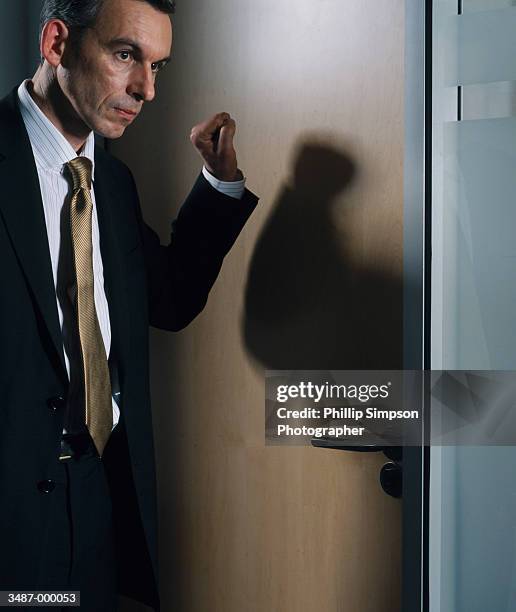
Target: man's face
x=112, y=72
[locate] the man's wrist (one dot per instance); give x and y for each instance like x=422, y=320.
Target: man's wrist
x=234, y=189
x=238, y=176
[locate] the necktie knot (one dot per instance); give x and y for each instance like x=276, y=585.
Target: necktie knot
x=81, y=169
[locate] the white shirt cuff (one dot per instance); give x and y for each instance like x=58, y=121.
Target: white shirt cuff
x=233, y=189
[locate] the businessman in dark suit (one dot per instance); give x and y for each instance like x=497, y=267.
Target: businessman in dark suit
x=82, y=278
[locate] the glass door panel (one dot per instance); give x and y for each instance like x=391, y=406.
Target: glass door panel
x=472, y=515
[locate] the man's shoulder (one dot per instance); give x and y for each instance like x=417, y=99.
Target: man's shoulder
x=8, y=103
x=11, y=123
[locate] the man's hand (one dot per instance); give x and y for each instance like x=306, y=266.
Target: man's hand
x=214, y=141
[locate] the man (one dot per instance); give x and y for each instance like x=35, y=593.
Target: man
x=82, y=278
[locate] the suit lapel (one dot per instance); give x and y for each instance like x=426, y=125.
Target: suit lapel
x=22, y=210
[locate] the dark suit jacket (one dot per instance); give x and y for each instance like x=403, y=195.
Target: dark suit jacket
x=146, y=284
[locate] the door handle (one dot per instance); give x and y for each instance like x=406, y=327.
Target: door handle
x=391, y=473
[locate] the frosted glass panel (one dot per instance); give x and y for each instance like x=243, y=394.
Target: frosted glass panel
x=479, y=217
x=476, y=569
x=489, y=100
x=472, y=557
x=481, y=47
x=485, y=5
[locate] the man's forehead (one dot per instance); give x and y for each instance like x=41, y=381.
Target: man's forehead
x=137, y=21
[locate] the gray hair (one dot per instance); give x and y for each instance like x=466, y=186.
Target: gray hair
x=82, y=14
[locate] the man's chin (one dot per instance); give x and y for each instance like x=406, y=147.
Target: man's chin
x=112, y=132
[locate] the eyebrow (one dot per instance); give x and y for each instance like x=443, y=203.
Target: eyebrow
x=136, y=47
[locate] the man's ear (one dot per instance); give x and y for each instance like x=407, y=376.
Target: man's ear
x=54, y=37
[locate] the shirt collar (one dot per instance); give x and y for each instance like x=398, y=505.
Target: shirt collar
x=50, y=147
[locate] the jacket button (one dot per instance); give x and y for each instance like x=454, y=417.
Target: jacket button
x=46, y=486
x=56, y=403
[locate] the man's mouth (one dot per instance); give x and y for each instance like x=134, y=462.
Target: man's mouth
x=124, y=112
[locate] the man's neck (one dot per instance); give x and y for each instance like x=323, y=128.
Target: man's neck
x=49, y=97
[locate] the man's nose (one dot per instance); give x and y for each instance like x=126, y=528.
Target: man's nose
x=141, y=86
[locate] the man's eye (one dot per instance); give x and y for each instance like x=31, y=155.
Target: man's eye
x=157, y=66
x=124, y=56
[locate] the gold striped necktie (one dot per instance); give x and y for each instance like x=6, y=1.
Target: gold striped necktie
x=97, y=385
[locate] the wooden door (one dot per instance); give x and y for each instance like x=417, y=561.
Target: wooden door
x=313, y=282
